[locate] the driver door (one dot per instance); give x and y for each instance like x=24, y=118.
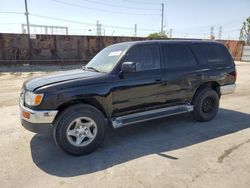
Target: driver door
x=137, y=91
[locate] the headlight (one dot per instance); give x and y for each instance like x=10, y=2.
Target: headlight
x=33, y=99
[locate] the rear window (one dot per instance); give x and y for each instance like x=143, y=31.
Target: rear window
x=177, y=55
x=215, y=53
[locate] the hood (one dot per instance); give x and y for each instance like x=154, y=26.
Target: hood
x=54, y=78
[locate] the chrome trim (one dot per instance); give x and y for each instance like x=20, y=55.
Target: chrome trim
x=227, y=89
x=38, y=116
x=22, y=96
x=117, y=122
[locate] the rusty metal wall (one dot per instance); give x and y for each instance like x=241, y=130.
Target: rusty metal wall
x=54, y=48
x=64, y=49
x=235, y=47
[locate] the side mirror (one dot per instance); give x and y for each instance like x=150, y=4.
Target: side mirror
x=128, y=67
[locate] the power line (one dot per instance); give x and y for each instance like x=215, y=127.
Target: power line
x=90, y=24
x=227, y=30
x=117, y=6
x=61, y=19
x=155, y=21
x=208, y=26
x=11, y=12
x=140, y=2
x=101, y=10
x=207, y=33
x=13, y=23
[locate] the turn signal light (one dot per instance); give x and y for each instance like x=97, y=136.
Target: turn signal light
x=26, y=114
x=38, y=99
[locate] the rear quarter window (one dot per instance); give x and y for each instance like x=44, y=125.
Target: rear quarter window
x=214, y=53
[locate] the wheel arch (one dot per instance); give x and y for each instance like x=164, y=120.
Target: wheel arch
x=92, y=102
x=212, y=84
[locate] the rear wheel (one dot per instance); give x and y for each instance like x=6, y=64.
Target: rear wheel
x=206, y=104
x=79, y=129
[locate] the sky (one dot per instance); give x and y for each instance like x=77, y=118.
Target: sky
x=186, y=18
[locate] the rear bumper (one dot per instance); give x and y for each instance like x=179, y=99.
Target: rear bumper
x=227, y=89
x=38, y=121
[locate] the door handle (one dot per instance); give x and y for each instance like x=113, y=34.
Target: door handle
x=164, y=83
x=200, y=75
x=160, y=81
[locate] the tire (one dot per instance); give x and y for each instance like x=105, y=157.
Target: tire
x=79, y=122
x=206, y=104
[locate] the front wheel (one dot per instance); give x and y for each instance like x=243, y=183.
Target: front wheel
x=206, y=105
x=79, y=129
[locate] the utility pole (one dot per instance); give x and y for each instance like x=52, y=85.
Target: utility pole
x=27, y=17
x=212, y=33
x=170, y=33
x=28, y=28
x=220, y=32
x=135, y=30
x=98, y=28
x=162, y=16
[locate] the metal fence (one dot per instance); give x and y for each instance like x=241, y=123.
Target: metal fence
x=246, y=53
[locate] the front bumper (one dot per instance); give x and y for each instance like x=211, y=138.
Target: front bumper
x=38, y=121
x=227, y=89
x=42, y=128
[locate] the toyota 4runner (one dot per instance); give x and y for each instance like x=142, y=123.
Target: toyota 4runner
x=124, y=84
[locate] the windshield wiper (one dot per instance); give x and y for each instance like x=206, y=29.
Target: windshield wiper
x=92, y=68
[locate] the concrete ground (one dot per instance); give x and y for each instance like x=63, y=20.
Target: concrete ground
x=169, y=152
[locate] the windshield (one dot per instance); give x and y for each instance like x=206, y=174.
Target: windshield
x=106, y=59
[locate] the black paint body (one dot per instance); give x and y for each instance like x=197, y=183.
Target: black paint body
x=116, y=93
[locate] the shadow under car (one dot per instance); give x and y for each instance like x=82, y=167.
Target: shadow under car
x=135, y=141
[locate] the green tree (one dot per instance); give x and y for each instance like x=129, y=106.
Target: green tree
x=159, y=35
x=245, y=31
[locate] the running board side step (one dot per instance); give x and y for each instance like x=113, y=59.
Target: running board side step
x=148, y=115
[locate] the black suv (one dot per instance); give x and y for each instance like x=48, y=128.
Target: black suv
x=127, y=83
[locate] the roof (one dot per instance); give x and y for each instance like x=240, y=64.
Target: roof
x=132, y=43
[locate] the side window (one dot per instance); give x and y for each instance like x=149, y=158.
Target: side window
x=145, y=57
x=178, y=55
x=214, y=53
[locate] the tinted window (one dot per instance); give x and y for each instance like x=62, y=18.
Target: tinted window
x=177, y=55
x=214, y=53
x=145, y=57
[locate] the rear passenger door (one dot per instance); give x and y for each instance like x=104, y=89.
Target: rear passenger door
x=180, y=72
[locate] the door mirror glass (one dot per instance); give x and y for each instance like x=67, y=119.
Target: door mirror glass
x=128, y=67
